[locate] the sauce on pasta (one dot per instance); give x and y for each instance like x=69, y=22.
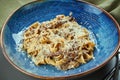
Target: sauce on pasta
x=60, y=42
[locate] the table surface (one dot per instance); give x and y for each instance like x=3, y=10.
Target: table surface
x=8, y=72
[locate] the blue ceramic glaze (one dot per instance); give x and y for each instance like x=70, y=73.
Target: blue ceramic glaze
x=103, y=29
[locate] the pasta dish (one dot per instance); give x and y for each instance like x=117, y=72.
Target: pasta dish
x=60, y=42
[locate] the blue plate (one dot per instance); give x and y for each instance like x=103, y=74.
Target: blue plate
x=104, y=30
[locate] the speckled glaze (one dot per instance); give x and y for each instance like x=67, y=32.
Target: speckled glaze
x=105, y=32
